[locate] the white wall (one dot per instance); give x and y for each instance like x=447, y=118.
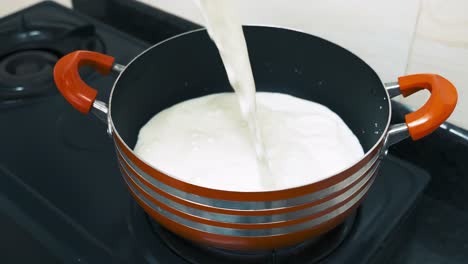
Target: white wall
x=441, y=45
x=395, y=37
x=10, y=6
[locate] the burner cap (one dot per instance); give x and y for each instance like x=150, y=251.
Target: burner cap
x=26, y=67
x=27, y=64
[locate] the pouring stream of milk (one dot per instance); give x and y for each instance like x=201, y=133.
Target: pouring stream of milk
x=225, y=30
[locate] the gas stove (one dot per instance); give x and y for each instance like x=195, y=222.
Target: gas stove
x=62, y=198
x=30, y=47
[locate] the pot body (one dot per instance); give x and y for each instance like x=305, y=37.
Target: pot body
x=284, y=61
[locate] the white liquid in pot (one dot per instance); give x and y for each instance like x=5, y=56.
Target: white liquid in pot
x=246, y=141
x=206, y=141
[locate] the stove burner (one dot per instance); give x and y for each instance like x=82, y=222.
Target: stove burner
x=29, y=50
x=311, y=251
x=27, y=65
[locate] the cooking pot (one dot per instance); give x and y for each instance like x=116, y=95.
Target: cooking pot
x=286, y=61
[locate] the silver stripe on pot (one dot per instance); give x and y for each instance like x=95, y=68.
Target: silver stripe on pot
x=243, y=219
x=250, y=205
x=252, y=232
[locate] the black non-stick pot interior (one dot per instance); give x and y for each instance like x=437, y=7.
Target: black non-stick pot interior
x=282, y=60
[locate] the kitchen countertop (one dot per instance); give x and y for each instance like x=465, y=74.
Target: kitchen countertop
x=441, y=233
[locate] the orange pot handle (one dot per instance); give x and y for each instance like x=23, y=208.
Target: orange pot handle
x=68, y=80
x=436, y=110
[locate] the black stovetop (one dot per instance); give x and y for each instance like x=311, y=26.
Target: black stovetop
x=62, y=198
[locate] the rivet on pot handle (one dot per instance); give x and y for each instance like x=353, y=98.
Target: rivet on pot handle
x=432, y=114
x=80, y=95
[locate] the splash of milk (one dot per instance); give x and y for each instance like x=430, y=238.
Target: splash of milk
x=225, y=30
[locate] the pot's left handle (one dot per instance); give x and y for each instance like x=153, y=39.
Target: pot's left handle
x=68, y=80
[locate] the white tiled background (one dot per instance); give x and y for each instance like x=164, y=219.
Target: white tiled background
x=395, y=37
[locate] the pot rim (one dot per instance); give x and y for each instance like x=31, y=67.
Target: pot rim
x=383, y=136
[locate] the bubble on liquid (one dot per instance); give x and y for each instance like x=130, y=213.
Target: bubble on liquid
x=380, y=107
x=363, y=131
x=376, y=124
x=376, y=132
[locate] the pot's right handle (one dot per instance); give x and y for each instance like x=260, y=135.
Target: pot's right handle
x=432, y=114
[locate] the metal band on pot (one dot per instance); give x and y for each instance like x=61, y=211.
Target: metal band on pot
x=246, y=205
x=250, y=232
x=248, y=219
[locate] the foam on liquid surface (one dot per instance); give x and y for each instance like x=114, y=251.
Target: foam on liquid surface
x=206, y=141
